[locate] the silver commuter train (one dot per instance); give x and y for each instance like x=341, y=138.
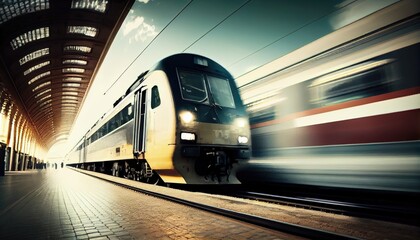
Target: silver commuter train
x=183, y=121
x=343, y=111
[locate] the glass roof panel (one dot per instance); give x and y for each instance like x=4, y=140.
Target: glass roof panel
x=69, y=97
x=76, y=48
x=41, y=85
x=75, y=79
x=45, y=102
x=71, y=93
x=69, y=101
x=95, y=5
x=36, y=67
x=30, y=36
x=34, y=55
x=73, y=70
x=75, y=61
x=13, y=8
x=38, y=77
x=71, y=84
x=47, y=109
x=68, y=110
x=70, y=89
x=43, y=92
x=62, y=137
x=43, y=98
x=85, y=30
x=68, y=104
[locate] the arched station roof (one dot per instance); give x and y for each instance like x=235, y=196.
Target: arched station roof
x=49, y=53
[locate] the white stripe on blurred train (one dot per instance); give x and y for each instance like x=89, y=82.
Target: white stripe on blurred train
x=183, y=122
x=343, y=111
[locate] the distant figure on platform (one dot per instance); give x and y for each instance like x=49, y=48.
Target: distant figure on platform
x=62, y=164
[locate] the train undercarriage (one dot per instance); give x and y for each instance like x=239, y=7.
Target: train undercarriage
x=138, y=170
x=211, y=166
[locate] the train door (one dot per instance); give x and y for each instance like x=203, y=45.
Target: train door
x=139, y=134
x=82, y=151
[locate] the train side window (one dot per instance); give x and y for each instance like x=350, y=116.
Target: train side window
x=130, y=112
x=155, y=97
x=126, y=114
x=113, y=123
x=264, y=109
x=93, y=137
x=359, y=81
x=122, y=117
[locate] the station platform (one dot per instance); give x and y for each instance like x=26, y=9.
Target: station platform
x=67, y=204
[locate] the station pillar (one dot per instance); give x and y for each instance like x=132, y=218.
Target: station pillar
x=2, y=158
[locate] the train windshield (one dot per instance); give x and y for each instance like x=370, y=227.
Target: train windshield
x=220, y=89
x=194, y=88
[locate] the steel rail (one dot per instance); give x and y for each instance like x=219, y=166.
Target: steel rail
x=283, y=227
x=391, y=214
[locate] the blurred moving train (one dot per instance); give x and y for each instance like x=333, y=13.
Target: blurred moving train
x=182, y=122
x=346, y=116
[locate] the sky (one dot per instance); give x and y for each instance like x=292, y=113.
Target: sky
x=241, y=35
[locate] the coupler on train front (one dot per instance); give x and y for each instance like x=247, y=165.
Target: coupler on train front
x=213, y=164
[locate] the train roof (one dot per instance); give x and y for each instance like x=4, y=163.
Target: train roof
x=178, y=60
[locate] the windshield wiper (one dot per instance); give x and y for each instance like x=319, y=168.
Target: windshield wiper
x=217, y=105
x=195, y=88
x=214, y=106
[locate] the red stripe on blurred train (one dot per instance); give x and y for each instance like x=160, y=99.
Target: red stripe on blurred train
x=348, y=116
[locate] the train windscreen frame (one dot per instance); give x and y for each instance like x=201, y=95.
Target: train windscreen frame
x=194, y=88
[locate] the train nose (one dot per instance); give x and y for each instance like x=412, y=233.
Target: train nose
x=214, y=164
x=219, y=160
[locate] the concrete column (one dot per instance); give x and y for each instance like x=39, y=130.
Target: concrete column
x=7, y=158
x=24, y=161
x=11, y=143
x=2, y=158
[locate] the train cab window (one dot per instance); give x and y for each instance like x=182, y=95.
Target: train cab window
x=155, y=97
x=193, y=86
x=359, y=81
x=221, y=92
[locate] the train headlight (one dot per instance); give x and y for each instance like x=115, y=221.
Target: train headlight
x=242, y=139
x=240, y=122
x=186, y=117
x=187, y=136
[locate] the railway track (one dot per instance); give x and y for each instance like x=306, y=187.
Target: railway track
x=259, y=221
x=403, y=208
x=284, y=227
x=392, y=213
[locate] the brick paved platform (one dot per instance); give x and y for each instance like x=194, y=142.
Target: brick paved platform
x=65, y=204
x=345, y=225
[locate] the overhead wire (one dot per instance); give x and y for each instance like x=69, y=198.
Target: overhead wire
x=147, y=46
x=341, y=6
x=198, y=39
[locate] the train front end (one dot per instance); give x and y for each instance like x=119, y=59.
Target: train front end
x=213, y=133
